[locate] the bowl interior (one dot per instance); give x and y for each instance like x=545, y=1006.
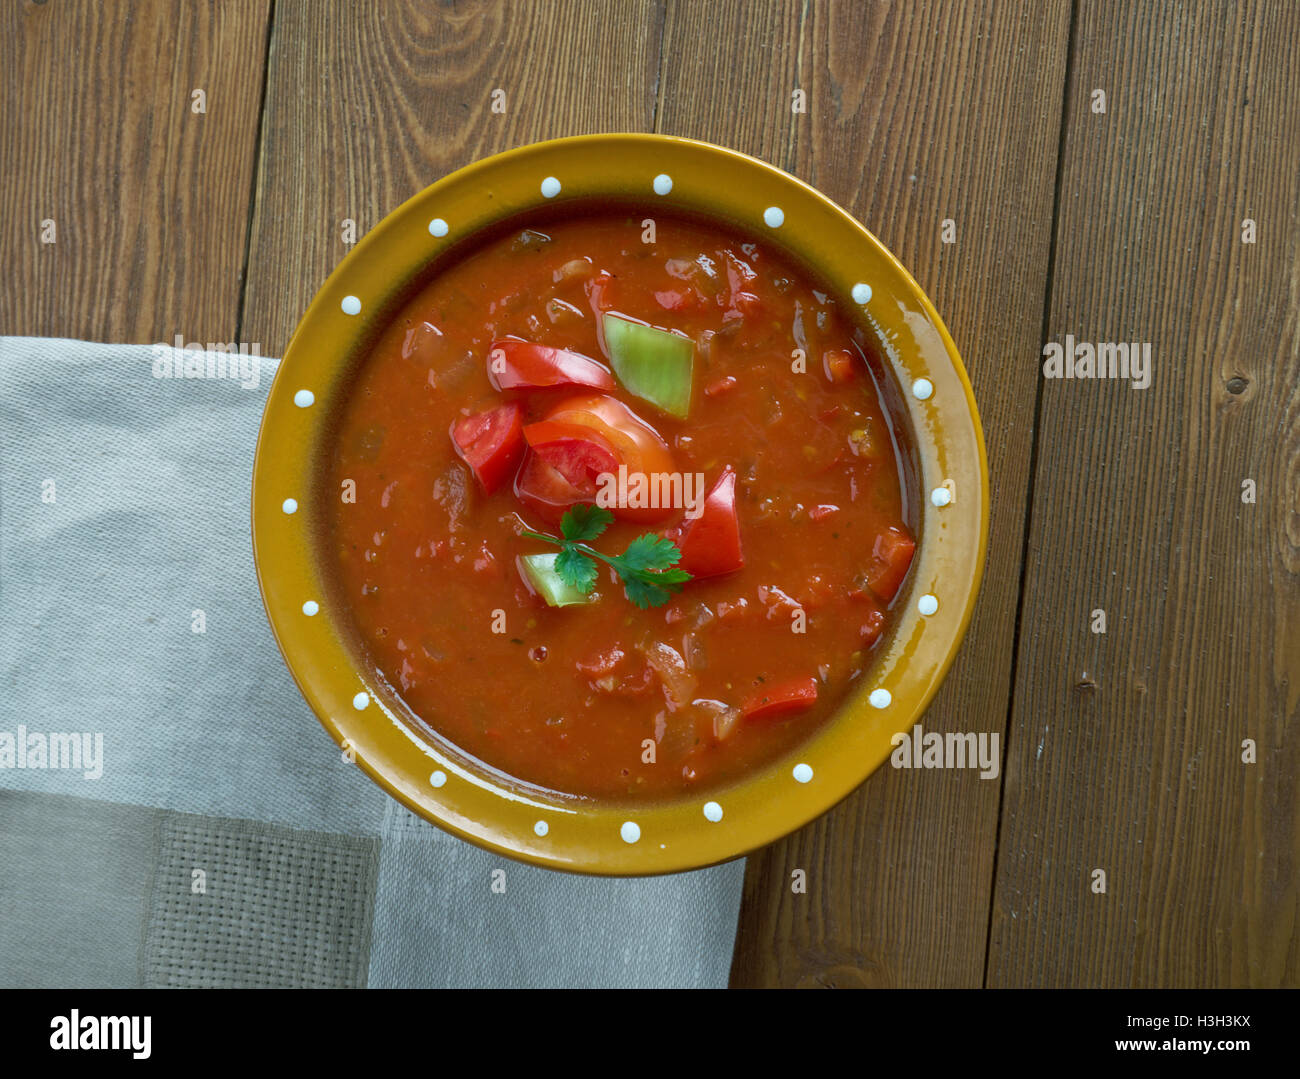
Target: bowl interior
x=922, y=384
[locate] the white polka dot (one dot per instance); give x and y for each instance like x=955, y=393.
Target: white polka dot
x=774, y=216
x=437, y=227
x=922, y=388
x=289, y=505
x=941, y=496
x=541, y=827
x=360, y=701
x=351, y=305
x=802, y=773
x=304, y=398
x=631, y=831
x=712, y=811
x=861, y=293
x=550, y=187
x=438, y=778
x=663, y=184
x=927, y=605
x=880, y=698
x=310, y=608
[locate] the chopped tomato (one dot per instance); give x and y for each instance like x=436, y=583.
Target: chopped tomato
x=779, y=605
x=740, y=275
x=873, y=622
x=563, y=466
x=607, y=672
x=816, y=592
x=486, y=563
x=723, y=385
x=838, y=363
x=710, y=544
x=548, y=432
x=602, y=663
x=522, y=365
x=674, y=613
x=676, y=299
x=600, y=293
x=891, y=558
x=491, y=443
x=779, y=701
x=819, y=513
x=733, y=611
x=633, y=442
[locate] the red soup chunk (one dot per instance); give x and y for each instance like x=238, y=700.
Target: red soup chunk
x=626, y=519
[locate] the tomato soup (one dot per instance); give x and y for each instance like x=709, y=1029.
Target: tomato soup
x=616, y=508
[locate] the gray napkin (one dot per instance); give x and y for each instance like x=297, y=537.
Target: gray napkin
x=171, y=813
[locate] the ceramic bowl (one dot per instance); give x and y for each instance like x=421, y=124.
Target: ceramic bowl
x=927, y=392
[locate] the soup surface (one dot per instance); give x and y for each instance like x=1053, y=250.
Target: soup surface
x=689, y=386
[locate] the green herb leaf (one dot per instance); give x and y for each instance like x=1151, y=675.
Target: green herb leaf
x=654, y=589
x=649, y=551
x=584, y=522
x=576, y=569
x=647, y=568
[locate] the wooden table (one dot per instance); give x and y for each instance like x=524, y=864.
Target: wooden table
x=1118, y=219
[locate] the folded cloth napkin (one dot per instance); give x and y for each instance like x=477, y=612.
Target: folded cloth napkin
x=171, y=813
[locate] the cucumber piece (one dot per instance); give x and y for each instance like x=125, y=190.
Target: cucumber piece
x=540, y=571
x=656, y=365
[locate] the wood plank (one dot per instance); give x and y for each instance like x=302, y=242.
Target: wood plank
x=1126, y=748
x=366, y=107
x=149, y=199
x=905, y=127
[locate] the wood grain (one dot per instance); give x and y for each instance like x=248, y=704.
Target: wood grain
x=1126, y=748
x=368, y=105
x=904, y=128
x=150, y=200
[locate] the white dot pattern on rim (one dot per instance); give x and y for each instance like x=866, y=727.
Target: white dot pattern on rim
x=922, y=389
x=774, y=217
x=861, y=293
x=802, y=773
x=289, y=505
x=631, y=831
x=927, y=605
x=541, y=827
x=438, y=778
x=712, y=811
x=304, y=398
x=880, y=698
x=351, y=305
x=941, y=496
x=438, y=227
x=550, y=187
x=663, y=184
x=360, y=701
x=310, y=608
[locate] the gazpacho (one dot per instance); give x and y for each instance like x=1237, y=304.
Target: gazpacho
x=616, y=508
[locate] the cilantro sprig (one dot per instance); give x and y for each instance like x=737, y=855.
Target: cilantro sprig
x=648, y=567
